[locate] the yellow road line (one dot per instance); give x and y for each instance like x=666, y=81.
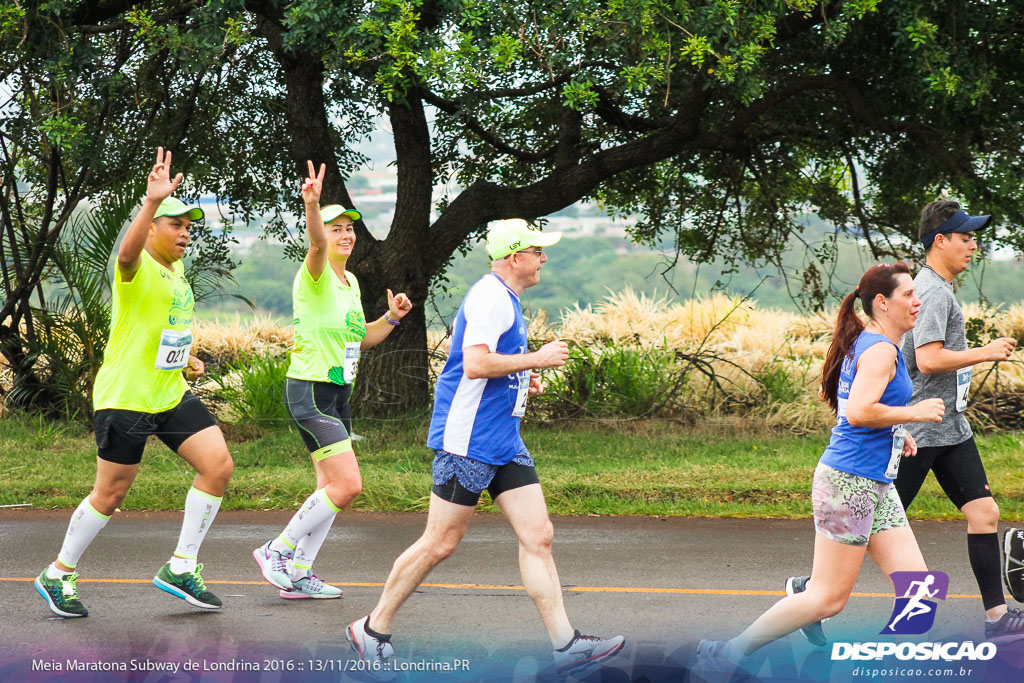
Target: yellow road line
x=484, y=586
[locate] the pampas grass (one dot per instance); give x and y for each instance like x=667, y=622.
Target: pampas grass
x=715, y=358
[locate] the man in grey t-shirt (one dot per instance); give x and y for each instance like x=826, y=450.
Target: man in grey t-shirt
x=940, y=364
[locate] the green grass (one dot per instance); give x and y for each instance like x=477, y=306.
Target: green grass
x=654, y=468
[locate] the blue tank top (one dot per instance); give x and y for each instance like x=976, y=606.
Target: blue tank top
x=865, y=451
x=479, y=418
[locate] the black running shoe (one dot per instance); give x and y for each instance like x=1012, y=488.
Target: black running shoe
x=1013, y=562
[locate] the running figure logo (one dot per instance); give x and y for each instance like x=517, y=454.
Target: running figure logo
x=914, y=612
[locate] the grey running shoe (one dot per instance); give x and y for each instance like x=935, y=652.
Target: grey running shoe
x=814, y=633
x=583, y=651
x=310, y=586
x=188, y=586
x=1010, y=624
x=274, y=566
x=376, y=654
x=1013, y=562
x=61, y=595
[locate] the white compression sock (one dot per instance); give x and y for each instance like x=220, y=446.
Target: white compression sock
x=317, y=509
x=200, y=510
x=307, y=548
x=85, y=523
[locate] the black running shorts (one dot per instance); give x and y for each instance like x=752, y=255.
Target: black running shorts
x=322, y=414
x=958, y=469
x=461, y=480
x=121, y=434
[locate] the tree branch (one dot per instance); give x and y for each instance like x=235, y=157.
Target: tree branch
x=485, y=201
x=475, y=126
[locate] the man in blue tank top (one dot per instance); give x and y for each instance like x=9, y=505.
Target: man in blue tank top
x=479, y=401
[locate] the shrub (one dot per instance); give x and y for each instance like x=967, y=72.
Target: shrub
x=250, y=392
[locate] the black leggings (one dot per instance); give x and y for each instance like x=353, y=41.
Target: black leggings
x=321, y=412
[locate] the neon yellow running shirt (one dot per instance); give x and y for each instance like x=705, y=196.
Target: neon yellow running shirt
x=150, y=340
x=329, y=325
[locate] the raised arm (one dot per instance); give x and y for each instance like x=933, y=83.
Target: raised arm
x=159, y=186
x=316, y=257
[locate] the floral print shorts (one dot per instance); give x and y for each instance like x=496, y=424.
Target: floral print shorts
x=849, y=508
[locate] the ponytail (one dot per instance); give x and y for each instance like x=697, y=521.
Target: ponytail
x=848, y=328
x=880, y=279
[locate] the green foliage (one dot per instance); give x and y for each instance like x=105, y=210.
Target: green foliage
x=67, y=336
x=781, y=385
x=46, y=433
x=980, y=330
x=252, y=387
x=611, y=382
x=579, y=94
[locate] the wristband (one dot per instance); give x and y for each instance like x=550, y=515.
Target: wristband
x=390, y=321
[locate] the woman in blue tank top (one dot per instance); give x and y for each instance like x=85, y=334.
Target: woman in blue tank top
x=856, y=508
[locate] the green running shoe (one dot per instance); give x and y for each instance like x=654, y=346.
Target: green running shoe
x=189, y=587
x=61, y=595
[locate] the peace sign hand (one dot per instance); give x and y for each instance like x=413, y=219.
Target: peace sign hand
x=313, y=184
x=159, y=185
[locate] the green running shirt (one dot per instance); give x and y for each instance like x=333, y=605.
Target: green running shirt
x=150, y=340
x=329, y=325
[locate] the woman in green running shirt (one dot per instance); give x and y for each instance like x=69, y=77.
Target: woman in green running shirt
x=330, y=331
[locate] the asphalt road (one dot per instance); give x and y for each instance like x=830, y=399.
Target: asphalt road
x=663, y=583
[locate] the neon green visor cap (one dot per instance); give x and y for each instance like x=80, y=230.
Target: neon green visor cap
x=176, y=207
x=332, y=211
x=515, y=234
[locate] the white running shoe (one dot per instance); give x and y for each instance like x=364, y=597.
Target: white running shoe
x=274, y=566
x=310, y=586
x=376, y=654
x=711, y=663
x=583, y=651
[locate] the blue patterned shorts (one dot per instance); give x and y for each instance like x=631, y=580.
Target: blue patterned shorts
x=472, y=474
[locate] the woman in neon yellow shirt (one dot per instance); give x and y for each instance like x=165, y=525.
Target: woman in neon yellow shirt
x=139, y=391
x=330, y=331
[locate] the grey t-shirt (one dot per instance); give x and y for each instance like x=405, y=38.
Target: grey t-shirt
x=939, y=319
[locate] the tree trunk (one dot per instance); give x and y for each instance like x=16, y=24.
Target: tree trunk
x=394, y=378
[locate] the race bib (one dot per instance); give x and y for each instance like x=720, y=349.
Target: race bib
x=351, y=364
x=899, y=437
x=841, y=408
x=963, y=387
x=173, y=351
x=524, y=387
